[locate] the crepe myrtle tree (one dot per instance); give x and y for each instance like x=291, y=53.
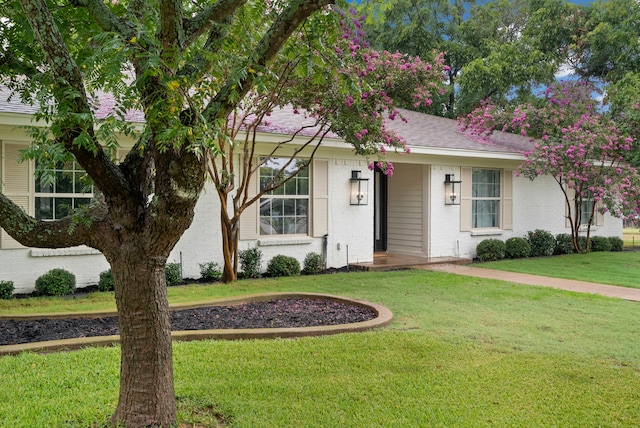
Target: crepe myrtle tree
x=349, y=90
x=185, y=65
x=577, y=145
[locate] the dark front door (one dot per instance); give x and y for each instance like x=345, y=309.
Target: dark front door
x=380, y=211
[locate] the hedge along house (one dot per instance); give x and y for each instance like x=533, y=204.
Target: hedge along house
x=450, y=193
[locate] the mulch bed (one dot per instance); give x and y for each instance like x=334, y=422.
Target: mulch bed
x=279, y=313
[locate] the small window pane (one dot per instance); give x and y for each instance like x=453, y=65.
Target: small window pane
x=81, y=202
x=63, y=207
x=301, y=207
x=289, y=206
x=44, y=208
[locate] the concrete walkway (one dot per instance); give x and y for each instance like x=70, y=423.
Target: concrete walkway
x=523, y=278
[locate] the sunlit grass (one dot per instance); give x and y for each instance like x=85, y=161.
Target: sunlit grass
x=631, y=237
x=463, y=352
x=617, y=268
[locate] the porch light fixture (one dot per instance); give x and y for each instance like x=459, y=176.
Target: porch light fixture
x=451, y=190
x=359, y=189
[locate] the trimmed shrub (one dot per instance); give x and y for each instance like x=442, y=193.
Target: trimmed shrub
x=173, y=274
x=56, y=282
x=106, y=281
x=6, y=290
x=250, y=262
x=490, y=250
x=617, y=244
x=312, y=264
x=542, y=242
x=283, y=266
x=516, y=248
x=600, y=243
x=564, y=244
x=210, y=271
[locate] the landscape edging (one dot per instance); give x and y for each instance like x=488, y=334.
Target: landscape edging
x=383, y=318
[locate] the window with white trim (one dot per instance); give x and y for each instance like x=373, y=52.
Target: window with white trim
x=485, y=198
x=585, y=212
x=71, y=189
x=285, y=210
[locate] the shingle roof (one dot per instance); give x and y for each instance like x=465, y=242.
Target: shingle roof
x=423, y=130
x=420, y=130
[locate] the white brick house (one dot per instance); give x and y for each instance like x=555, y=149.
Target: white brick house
x=407, y=213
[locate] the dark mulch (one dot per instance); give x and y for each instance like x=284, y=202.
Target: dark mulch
x=280, y=313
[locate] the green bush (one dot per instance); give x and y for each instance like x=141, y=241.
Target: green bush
x=564, y=244
x=516, y=248
x=542, y=242
x=313, y=264
x=106, y=281
x=210, y=271
x=283, y=266
x=6, y=290
x=600, y=243
x=582, y=240
x=490, y=250
x=173, y=274
x=56, y=282
x=250, y=262
x=617, y=244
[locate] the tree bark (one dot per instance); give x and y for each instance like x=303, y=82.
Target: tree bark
x=229, y=248
x=146, y=369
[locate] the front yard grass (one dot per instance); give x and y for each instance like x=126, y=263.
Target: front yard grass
x=463, y=352
x=631, y=237
x=618, y=268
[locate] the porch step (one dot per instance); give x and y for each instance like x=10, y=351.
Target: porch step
x=385, y=262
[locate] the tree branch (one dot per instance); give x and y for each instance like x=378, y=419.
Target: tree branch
x=67, y=232
x=216, y=13
x=69, y=91
x=171, y=30
x=284, y=25
x=107, y=20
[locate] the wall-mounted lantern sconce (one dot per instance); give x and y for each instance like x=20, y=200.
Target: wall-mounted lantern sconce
x=451, y=190
x=359, y=189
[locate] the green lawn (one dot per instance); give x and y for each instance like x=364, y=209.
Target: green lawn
x=461, y=352
x=621, y=268
x=631, y=237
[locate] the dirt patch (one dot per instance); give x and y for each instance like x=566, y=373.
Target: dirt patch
x=277, y=313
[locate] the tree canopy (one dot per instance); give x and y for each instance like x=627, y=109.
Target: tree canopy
x=183, y=68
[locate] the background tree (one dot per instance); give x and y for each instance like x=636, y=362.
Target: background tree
x=186, y=66
x=500, y=49
x=578, y=146
x=607, y=45
x=354, y=96
x=418, y=28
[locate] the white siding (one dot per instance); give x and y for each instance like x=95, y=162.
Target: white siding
x=405, y=210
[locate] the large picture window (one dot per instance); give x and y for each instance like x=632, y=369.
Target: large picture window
x=485, y=198
x=71, y=189
x=285, y=210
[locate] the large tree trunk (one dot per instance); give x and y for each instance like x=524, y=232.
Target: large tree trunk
x=146, y=369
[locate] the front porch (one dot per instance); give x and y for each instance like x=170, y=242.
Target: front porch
x=386, y=261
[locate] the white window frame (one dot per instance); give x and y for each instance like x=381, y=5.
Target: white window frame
x=54, y=196
x=477, y=199
x=285, y=211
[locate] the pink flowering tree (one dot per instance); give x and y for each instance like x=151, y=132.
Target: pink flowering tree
x=577, y=145
x=349, y=90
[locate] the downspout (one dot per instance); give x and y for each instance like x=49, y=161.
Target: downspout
x=325, y=241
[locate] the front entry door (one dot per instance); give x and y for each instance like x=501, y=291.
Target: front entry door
x=380, y=211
